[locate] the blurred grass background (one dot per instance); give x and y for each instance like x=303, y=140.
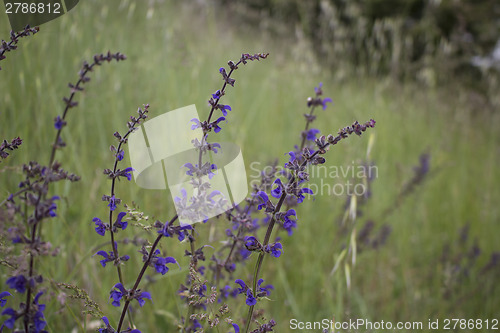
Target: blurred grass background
x=174, y=50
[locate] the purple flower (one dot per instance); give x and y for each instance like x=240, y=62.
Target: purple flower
x=160, y=263
x=251, y=300
x=243, y=286
x=217, y=95
x=100, y=227
x=324, y=101
x=59, y=123
x=214, y=146
x=210, y=175
x=127, y=173
x=275, y=249
x=264, y=198
x=252, y=244
x=311, y=134
x=224, y=108
x=117, y=293
x=277, y=191
x=112, y=203
x=107, y=257
x=288, y=223
x=264, y=290
x=53, y=206
x=168, y=230
x=4, y=294
x=108, y=328
x=9, y=323
x=110, y=257
x=119, y=223
x=39, y=319
x=236, y=328
x=196, y=124
x=300, y=195
x=191, y=168
x=18, y=283
x=216, y=126
x=120, y=155
x=140, y=297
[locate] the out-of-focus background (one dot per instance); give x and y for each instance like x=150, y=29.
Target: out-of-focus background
x=427, y=71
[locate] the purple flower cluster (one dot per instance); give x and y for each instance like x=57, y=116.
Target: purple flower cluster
x=34, y=312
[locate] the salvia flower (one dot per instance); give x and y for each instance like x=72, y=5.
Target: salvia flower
x=288, y=223
x=100, y=226
x=51, y=211
x=217, y=95
x=59, y=123
x=311, y=134
x=278, y=190
x=236, y=328
x=160, y=263
x=19, y=283
x=112, y=203
x=196, y=124
x=9, y=323
x=141, y=295
x=119, y=224
x=324, y=101
x=117, y=293
x=264, y=200
x=126, y=173
x=300, y=194
x=292, y=162
x=169, y=230
x=110, y=257
x=4, y=294
x=215, y=124
x=264, y=291
x=243, y=286
x=224, y=108
x=108, y=328
x=120, y=155
x=39, y=319
x=251, y=300
x=275, y=249
x=252, y=244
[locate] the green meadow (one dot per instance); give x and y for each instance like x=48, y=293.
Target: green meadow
x=174, y=51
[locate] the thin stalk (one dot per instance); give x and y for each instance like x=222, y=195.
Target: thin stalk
x=141, y=275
